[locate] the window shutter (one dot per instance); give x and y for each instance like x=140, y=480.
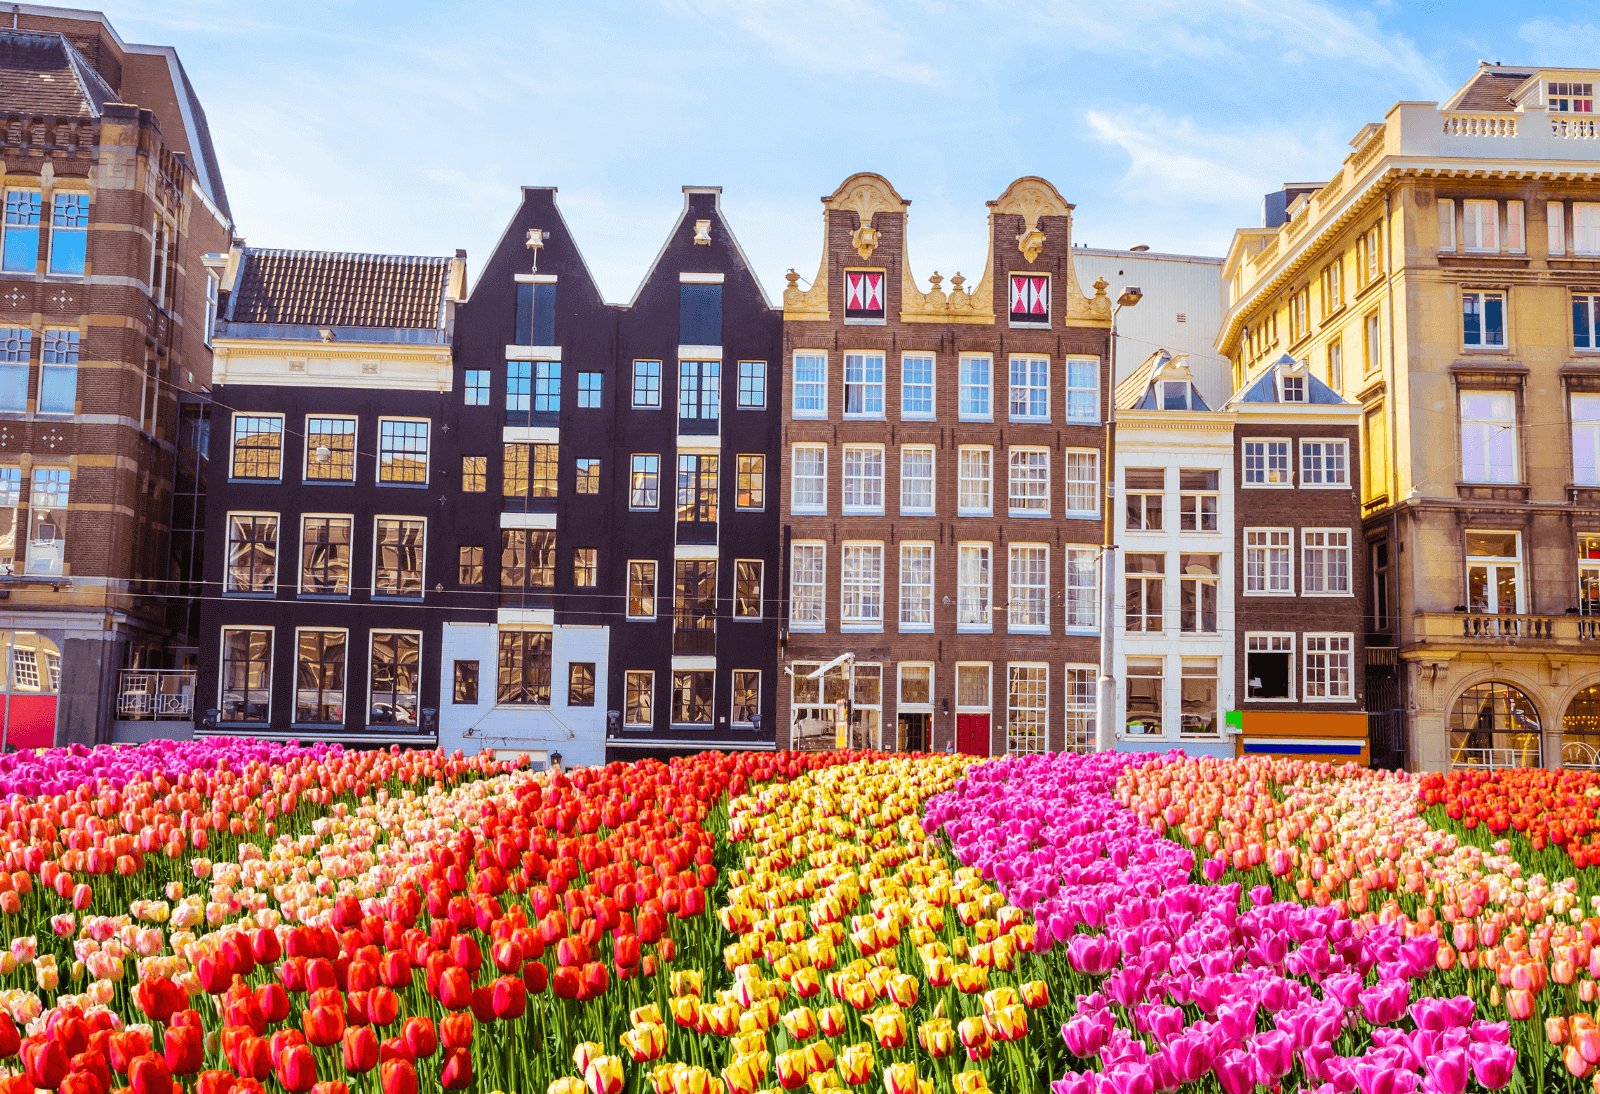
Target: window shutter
x=1447, y=224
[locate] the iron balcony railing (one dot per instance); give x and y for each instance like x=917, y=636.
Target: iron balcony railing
x=156, y=694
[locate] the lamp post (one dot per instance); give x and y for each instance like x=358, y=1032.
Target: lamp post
x=1105, y=735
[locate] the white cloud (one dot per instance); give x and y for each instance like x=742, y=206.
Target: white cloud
x=1558, y=42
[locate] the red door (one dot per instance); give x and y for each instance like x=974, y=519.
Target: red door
x=972, y=734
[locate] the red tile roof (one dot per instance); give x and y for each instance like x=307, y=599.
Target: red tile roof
x=339, y=289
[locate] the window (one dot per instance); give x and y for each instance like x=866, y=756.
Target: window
x=10, y=502
x=474, y=474
x=1197, y=594
x=16, y=345
x=161, y=259
x=1198, y=717
x=1028, y=597
x=1556, y=227
x=1376, y=480
x=644, y=487
x=1299, y=315
x=699, y=395
x=1333, y=287
x=466, y=683
x=1027, y=704
x=325, y=556
x=1565, y=97
x=397, y=567
x=975, y=388
x=1145, y=684
x=1197, y=500
x=1175, y=395
x=1327, y=667
x=514, y=471
x=640, y=690
x=1494, y=566
x=258, y=446
x=699, y=314
x=1083, y=390
x=585, y=567
x=1586, y=440
x=392, y=677
x=1030, y=389
x=538, y=466
x=524, y=667
x=647, y=385
x=916, y=586
x=752, y=385
x=402, y=451
x=751, y=490
x=1479, y=225
x=1585, y=228
x=519, y=391
x=1374, y=347
x=697, y=489
x=863, y=385
x=746, y=696
x=47, y=540
x=1266, y=463
x=1585, y=321
x=1083, y=483
x=1514, y=228
x=692, y=694
x=863, y=479
x=589, y=389
x=546, y=387
x=916, y=685
x=1294, y=389
x=1268, y=562
x=972, y=586
x=21, y=247
x=1082, y=597
x=806, y=585
x=476, y=386
x=246, y=675
x=974, y=481
x=1488, y=436
x=972, y=687
x=469, y=565
x=916, y=479
x=536, y=313
x=1030, y=482
x=252, y=552
x=747, y=589
x=588, y=476
x=330, y=449
x=916, y=385
x=1030, y=299
x=58, y=372
x=1374, y=254
x=527, y=559
x=861, y=585
x=863, y=296
x=1144, y=576
x=1325, y=562
x=580, y=684
x=808, y=492
x=1483, y=318
x=1082, y=700
x=319, y=677
x=1143, y=488
x=1589, y=575
x=642, y=590
x=810, y=385
x=1269, y=666
x=1381, y=603
x=1336, y=365
x=1324, y=463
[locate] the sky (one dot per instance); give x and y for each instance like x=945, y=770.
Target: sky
x=403, y=127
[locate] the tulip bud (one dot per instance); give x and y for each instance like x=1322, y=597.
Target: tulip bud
x=397, y=1076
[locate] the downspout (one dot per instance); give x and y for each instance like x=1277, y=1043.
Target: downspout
x=1395, y=569
x=1105, y=737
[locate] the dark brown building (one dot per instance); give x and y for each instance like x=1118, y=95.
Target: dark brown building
x=941, y=488
x=113, y=203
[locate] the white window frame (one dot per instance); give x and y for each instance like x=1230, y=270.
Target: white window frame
x=914, y=595
x=817, y=592
x=931, y=479
x=655, y=590
x=733, y=693
x=1585, y=438
x=422, y=591
x=233, y=439
x=1042, y=710
x=355, y=450
x=974, y=601
x=1555, y=226
x=964, y=495
x=757, y=369
x=1027, y=509
x=632, y=471
x=1590, y=304
x=932, y=386
x=1480, y=226
x=988, y=690
x=869, y=388
x=1079, y=559
x=1516, y=228
x=1080, y=705
x=633, y=393
x=865, y=489
x=228, y=588
x=1493, y=563
x=300, y=557
x=1015, y=604
x=1315, y=472
x=272, y=669
x=1482, y=297
x=1029, y=391
x=1095, y=487
x=372, y=637
x=1447, y=224
x=1268, y=457
x=213, y=299
x=345, y=702
x=1480, y=430
x=1091, y=416
x=57, y=230
x=794, y=478
x=427, y=455
x=1320, y=652
x=1195, y=584
x=1287, y=637
x=36, y=229
x=970, y=394
x=899, y=689
x=1191, y=507
x=760, y=615
x=1319, y=546
x=1585, y=227
x=1273, y=541
x=862, y=611
x=650, y=675
x=815, y=390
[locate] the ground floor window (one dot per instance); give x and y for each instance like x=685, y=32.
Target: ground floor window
x=392, y=676
x=1145, y=682
x=1269, y=666
x=319, y=678
x=692, y=694
x=1027, y=706
x=640, y=692
x=1199, y=716
x=524, y=667
x=246, y=675
x=1081, y=683
x=1494, y=724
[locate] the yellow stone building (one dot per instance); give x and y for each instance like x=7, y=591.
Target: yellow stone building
x=1447, y=277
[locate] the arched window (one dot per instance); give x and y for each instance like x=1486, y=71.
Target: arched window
x=1580, y=729
x=1494, y=725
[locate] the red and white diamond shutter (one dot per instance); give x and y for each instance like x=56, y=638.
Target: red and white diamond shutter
x=1030, y=298
x=863, y=294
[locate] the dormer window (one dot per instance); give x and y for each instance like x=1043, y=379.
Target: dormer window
x=1294, y=389
x=1570, y=98
x=863, y=296
x=1174, y=395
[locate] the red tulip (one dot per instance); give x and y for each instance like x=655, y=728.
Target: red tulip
x=45, y=1062
x=420, y=1036
x=82, y=1082
x=253, y=1058
x=292, y=973
x=394, y=970
x=483, y=1004
x=360, y=1050
x=283, y=1041
x=158, y=997
x=297, y=1069
x=457, y=1071
x=323, y=1026
x=455, y=1031
x=265, y=946
x=184, y=1049
x=397, y=1077
x=320, y=974
x=464, y=952
x=331, y=1086
x=626, y=950
x=71, y=1032
x=567, y=983
x=455, y=989
x=14, y=1084
x=383, y=1006
x=572, y=951
x=10, y=1039
x=595, y=980
x=93, y=1064
x=216, y=972
x=214, y=1082
x=536, y=976
x=125, y=1047
x=149, y=1074
x=395, y=1048
x=361, y=976
x=510, y=998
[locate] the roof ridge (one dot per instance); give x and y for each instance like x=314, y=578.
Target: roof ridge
x=294, y=252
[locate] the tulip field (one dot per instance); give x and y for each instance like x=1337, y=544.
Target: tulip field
x=235, y=917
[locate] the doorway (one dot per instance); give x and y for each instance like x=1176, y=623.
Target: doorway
x=972, y=734
x=914, y=732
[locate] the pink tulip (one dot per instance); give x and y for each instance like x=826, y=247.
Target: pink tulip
x=1493, y=1065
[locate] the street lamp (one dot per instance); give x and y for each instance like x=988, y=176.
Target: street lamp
x=1105, y=736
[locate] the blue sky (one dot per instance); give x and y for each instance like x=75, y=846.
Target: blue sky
x=405, y=127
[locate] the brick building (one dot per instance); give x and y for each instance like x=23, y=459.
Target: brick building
x=942, y=471
x=113, y=203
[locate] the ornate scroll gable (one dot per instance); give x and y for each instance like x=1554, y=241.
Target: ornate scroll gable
x=864, y=194
x=1033, y=199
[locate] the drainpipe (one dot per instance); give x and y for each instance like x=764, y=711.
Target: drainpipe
x=1105, y=735
x=1394, y=449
